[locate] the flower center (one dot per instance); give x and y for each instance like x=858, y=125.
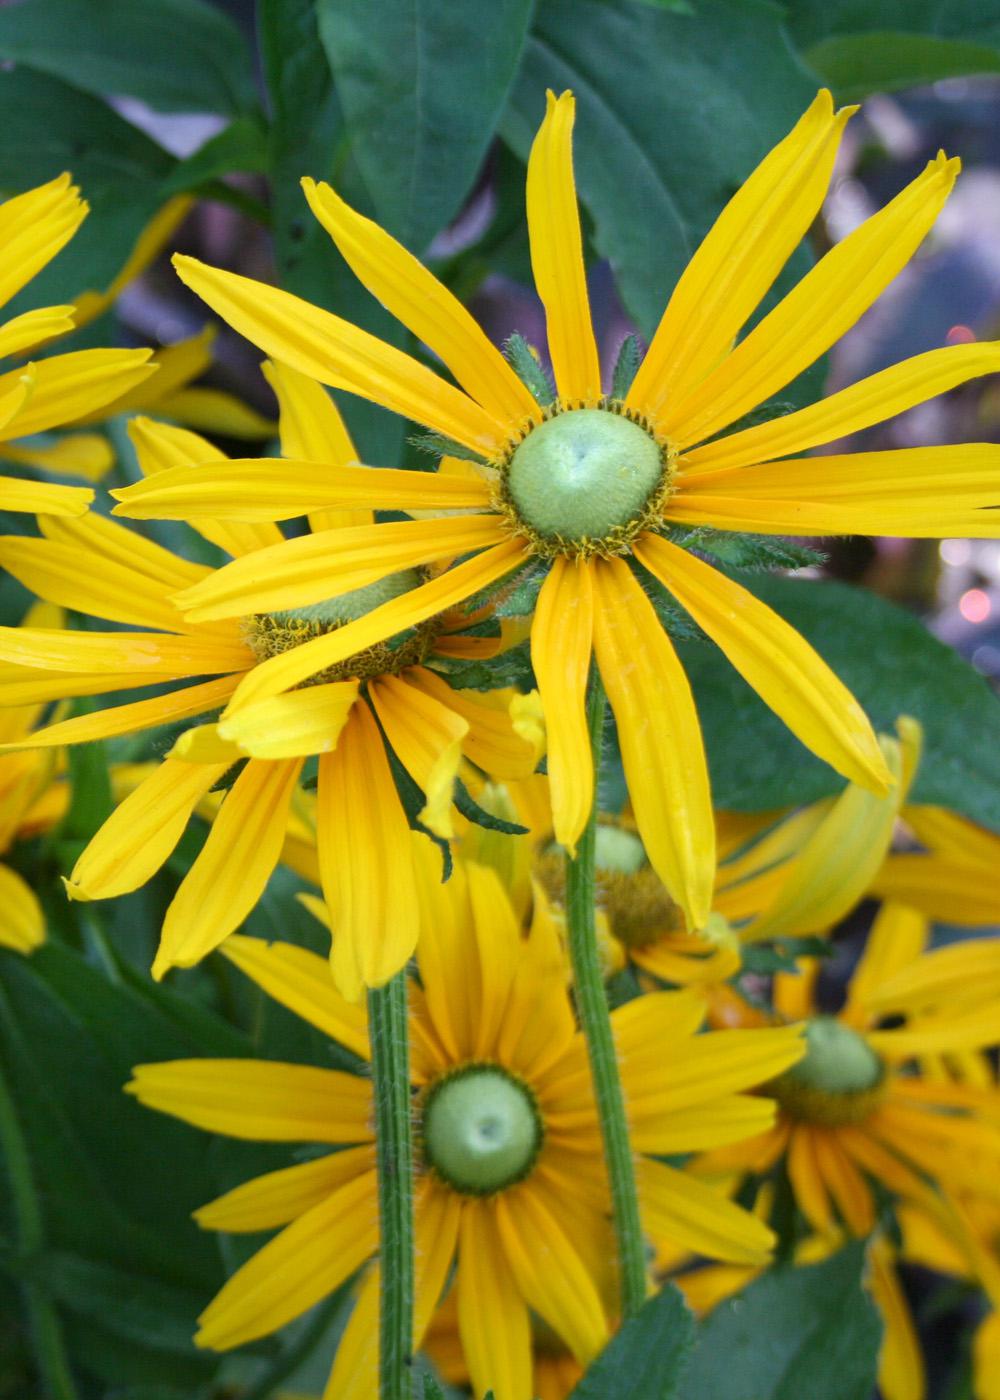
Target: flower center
x=481, y=1129
x=618, y=850
x=585, y=481
x=839, y=1080
x=271, y=634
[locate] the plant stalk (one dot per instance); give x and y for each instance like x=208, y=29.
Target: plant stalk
x=388, y=1031
x=595, y=1020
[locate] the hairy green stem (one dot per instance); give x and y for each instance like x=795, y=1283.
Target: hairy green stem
x=50, y=1351
x=387, y=1027
x=595, y=1020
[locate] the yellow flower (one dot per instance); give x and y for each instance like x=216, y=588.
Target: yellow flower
x=510, y=1178
x=554, y=1368
x=33, y=797
x=383, y=697
x=954, y=878
x=589, y=486
x=60, y=389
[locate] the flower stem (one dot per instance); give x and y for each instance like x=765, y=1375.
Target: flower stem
x=592, y=1008
x=387, y=1028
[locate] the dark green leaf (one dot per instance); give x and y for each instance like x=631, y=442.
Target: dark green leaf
x=177, y=55
x=793, y=1333
x=783, y=956
x=894, y=667
x=861, y=48
x=243, y=145
x=645, y=1357
x=91, y=802
x=674, y=111
x=471, y=810
x=422, y=87
x=509, y=668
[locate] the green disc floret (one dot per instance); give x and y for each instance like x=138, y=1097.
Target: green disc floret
x=837, y=1060
x=583, y=474
x=481, y=1129
x=618, y=850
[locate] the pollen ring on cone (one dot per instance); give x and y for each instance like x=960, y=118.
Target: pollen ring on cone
x=481, y=1129
x=585, y=481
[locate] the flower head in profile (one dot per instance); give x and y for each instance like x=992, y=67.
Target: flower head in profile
x=379, y=707
x=511, y=1203
x=33, y=797
x=597, y=490
x=59, y=389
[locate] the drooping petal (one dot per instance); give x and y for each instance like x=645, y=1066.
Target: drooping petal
x=426, y=736
x=494, y=741
x=859, y=406
x=557, y=254
x=660, y=738
x=450, y=588
x=280, y=1196
x=34, y=226
x=562, y=635
x=297, y=1269
x=301, y=981
x=492, y=1312
x=259, y=1100
x=295, y=725
x=777, y=661
x=142, y=831
x=846, y=1186
x=807, y=1180
x=740, y=257
x=900, y=1362
x=232, y=868
x=817, y=312
x=894, y=944
x=313, y=568
x=414, y=296
x=365, y=857
x=67, y=386
x=341, y=355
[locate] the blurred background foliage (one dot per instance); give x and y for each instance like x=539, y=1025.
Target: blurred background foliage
x=421, y=115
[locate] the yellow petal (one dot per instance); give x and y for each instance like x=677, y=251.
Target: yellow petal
x=920, y=520
x=660, y=739
x=67, y=386
x=215, y=411
x=557, y=254
x=494, y=740
x=775, y=660
x=33, y=228
x=152, y=655
x=301, y=981
x=817, y=312
x=142, y=831
x=900, y=1362
x=739, y=259
x=117, y=544
x=728, y=1119
x=160, y=447
x=87, y=455
x=314, y=568
x=870, y=401
x=970, y=969
x=175, y=365
x=34, y=327
x=894, y=945
x=232, y=868
x=678, y=1208
x=426, y=736
x=204, y=744
x=562, y=633
x=278, y=1197
x=292, y=726
x=492, y=1313
x=414, y=296
x=295, y=1270
x=142, y=714
x=264, y=488
x=450, y=588
x=34, y=497
x=341, y=355
x=22, y=923
x=365, y=859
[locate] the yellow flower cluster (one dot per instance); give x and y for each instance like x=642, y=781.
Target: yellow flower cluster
x=307, y=682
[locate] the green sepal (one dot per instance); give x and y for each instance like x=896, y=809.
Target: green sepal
x=523, y=360
x=758, y=553
x=228, y=778
x=675, y=621
x=783, y=954
x=471, y=810
x=510, y=668
x=437, y=445
x=626, y=366
x=413, y=801
x=515, y=595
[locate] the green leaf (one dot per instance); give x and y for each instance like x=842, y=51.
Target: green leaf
x=722, y=82
x=645, y=1357
x=422, y=87
x=783, y=955
x=49, y=127
x=893, y=666
x=795, y=1332
x=509, y=668
x=242, y=145
x=91, y=802
x=861, y=48
x=176, y=55
x=471, y=810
